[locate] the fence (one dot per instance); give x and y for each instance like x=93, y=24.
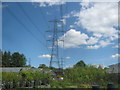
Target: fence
x=29, y=84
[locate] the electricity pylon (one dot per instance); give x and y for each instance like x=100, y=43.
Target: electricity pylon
x=55, y=59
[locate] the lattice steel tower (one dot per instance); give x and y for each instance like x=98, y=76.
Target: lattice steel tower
x=55, y=59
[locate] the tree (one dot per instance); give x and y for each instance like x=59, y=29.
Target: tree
x=18, y=60
x=0, y=58
x=80, y=64
x=42, y=66
x=6, y=59
x=14, y=60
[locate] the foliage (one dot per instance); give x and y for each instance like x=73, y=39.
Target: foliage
x=79, y=76
x=11, y=76
x=43, y=66
x=80, y=64
x=26, y=76
x=6, y=58
x=36, y=75
x=18, y=60
x=13, y=60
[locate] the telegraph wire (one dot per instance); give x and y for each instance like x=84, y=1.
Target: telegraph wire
x=44, y=18
x=24, y=26
x=30, y=19
x=32, y=22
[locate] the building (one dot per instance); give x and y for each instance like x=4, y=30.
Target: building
x=115, y=68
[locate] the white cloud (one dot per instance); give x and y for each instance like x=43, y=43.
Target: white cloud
x=45, y=56
x=117, y=46
x=93, y=47
x=71, y=26
x=99, y=65
x=115, y=56
x=99, y=19
x=64, y=21
x=68, y=57
x=101, y=43
x=92, y=40
x=97, y=35
x=73, y=39
x=104, y=43
x=44, y=3
x=66, y=16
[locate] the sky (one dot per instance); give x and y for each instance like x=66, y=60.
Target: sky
x=91, y=31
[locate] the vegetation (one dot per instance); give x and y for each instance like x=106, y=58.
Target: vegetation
x=25, y=78
x=80, y=75
x=13, y=60
x=84, y=76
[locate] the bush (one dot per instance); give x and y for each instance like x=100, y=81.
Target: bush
x=11, y=76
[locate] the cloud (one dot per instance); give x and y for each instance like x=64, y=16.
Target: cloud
x=64, y=21
x=73, y=39
x=93, y=47
x=68, y=57
x=101, y=43
x=66, y=16
x=97, y=35
x=45, y=56
x=45, y=3
x=92, y=40
x=115, y=56
x=100, y=18
x=104, y=43
x=99, y=65
x=71, y=26
x=117, y=46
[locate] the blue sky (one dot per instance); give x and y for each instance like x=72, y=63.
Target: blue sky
x=19, y=34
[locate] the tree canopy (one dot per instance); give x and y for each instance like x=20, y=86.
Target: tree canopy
x=80, y=64
x=13, y=60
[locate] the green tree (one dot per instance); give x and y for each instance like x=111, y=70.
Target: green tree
x=0, y=58
x=80, y=64
x=18, y=60
x=43, y=66
x=6, y=59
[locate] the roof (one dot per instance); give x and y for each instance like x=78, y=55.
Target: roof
x=9, y=69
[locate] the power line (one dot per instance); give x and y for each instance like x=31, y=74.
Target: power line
x=30, y=19
x=44, y=17
x=24, y=26
x=32, y=22
x=62, y=28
